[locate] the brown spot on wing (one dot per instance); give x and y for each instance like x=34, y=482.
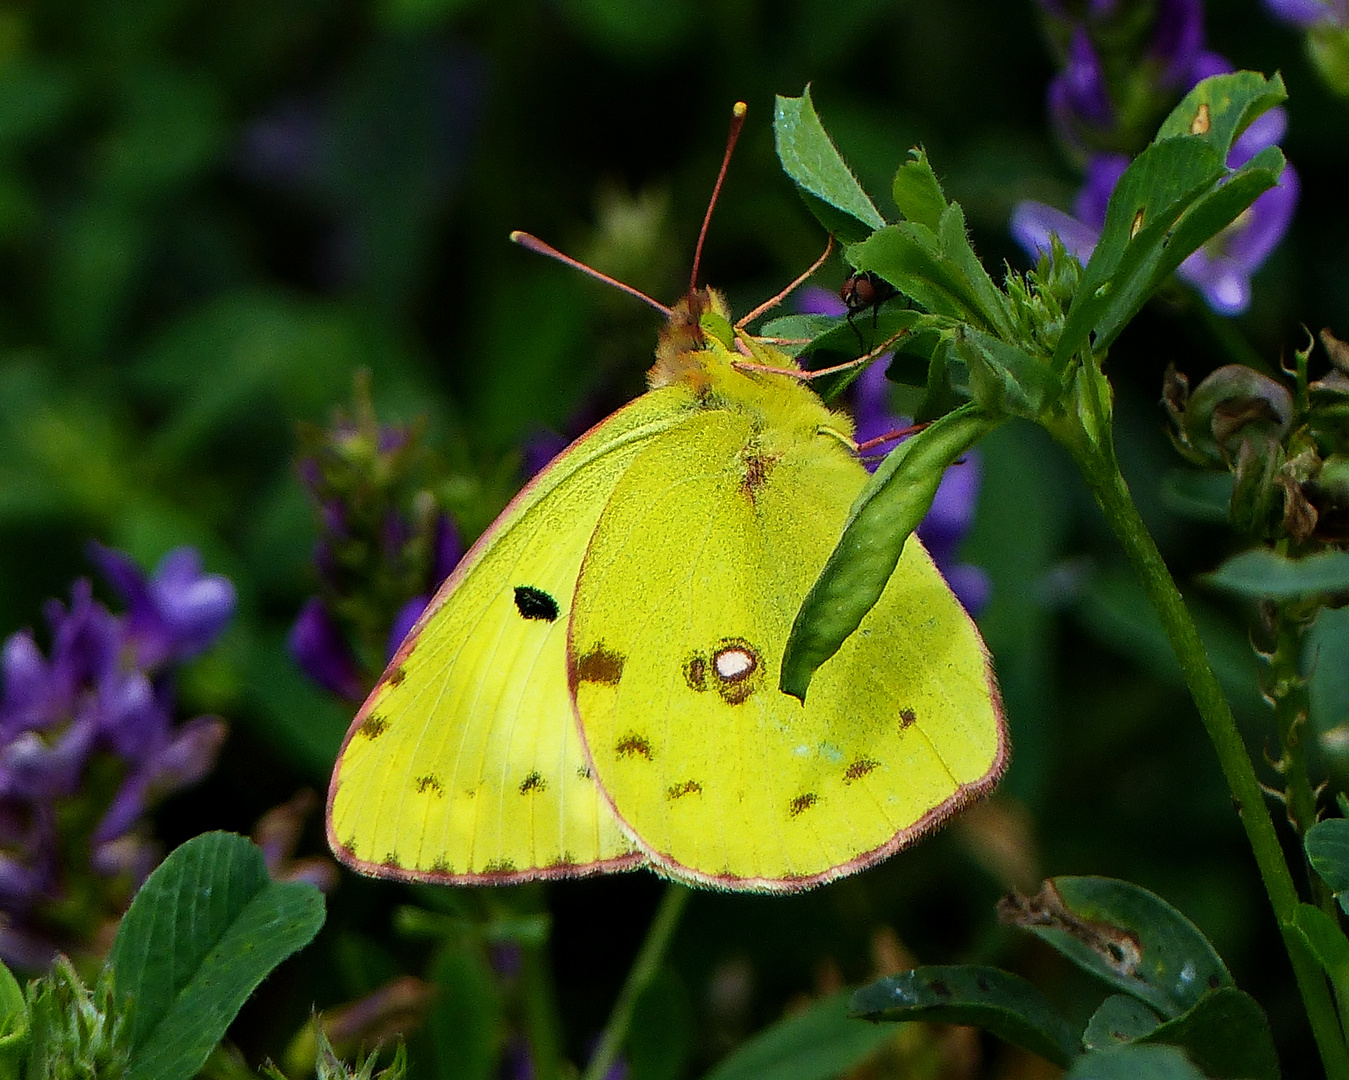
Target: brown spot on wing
x=392, y=860
x=633, y=745
x=907, y=717
x=757, y=467
x=499, y=866
x=802, y=803
x=599, y=665
x=441, y=865
x=859, y=769
x=533, y=782
x=686, y=787
x=397, y=676
x=695, y=672
x=429, y=783
x=373, y=726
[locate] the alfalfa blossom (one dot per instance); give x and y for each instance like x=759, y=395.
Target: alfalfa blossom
x=88, y=744
x=384, y=546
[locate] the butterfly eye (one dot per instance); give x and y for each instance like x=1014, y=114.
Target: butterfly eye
x=534, y=603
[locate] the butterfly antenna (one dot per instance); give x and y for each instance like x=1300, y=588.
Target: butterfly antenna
x=533, y=243
x=738, y=111
x=769, y=305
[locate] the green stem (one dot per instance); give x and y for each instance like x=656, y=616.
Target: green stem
x=542, y=1025
x=1112, y=493
x=1286, y=690
x=644, y=969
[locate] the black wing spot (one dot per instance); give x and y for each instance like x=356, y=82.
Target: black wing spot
x=599, y=665
x=397, y=676
x=906, y=718
x=633, y=745
x=373, y=726
x=429, y=784
x=859, y=769
x=583, y=772
x=687, y=787
x=499, y=866
x=441, y=865
x=533, y=782
x=802, y=803
x=534, y=603
x=393, y=861
x=563, y=861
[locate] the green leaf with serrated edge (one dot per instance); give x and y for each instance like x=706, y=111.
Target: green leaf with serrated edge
x=1143, y=271
x=205, y=928
x=1265, y=574
x=1154, y=191
x=814, y=164
x=1225, y=1035
x=1327, y=845
x=1134, y=1061
x=14, y=1030
x=918, y=193
x=820, y=1043
x=1122, y=933
x=909, y=257
x=1120, y=1019
x=1005, y=379
x=957, y=251
x=835, y=334
x=985, y=997
x=1228, y=102
x=1326, y=941
x=886, y=511
x=1162, y=183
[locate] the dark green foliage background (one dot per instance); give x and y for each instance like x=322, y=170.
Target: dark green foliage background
x=170, y=305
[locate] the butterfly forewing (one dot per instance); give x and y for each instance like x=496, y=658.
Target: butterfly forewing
x=465, y=764
x=686, y=596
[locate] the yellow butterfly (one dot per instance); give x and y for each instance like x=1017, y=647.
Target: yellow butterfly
x=595, y=687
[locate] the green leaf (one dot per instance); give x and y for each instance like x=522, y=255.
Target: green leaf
x=1228, y=103
x=986, y=997
x=1127, y=936
x=465, y=1027
x=1202, y=496
x=1120, y=1019
x=820, y=1043
x=886, y=511
x=812, y=161
x=1327, y=844
x=917, y=192
x=203, y=931
x=1005, y=380
x=1264, y=574
x=14, y=1031
x=1326, y=941
x=1136, y=1061
x=1141, y=244
x=1226, y=1035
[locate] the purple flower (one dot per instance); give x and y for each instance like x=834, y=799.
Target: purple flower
x=88, y=744
x=174, y=615
x=317, y=645
x=1312, y=14
x=1099, y=98
x=1221, y=270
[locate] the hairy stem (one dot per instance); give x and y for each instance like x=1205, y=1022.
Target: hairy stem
x=1112, y=494
x=644, y=969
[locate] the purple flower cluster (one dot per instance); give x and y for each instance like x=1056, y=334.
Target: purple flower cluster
x=1221, y=270
x=88, y=744
x=953, y=507
x=384, y=547
x=1312, y=14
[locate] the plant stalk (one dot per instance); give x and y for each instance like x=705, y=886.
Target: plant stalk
x=643, y=970
x=1112, y=494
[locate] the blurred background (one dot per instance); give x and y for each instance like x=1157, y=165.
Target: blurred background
x=213, y=215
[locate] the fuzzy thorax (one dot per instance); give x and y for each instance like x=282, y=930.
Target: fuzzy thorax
x=700, y=349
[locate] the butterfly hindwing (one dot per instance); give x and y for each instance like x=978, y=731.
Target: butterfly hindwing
x=685, y=600
x=465, y=764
